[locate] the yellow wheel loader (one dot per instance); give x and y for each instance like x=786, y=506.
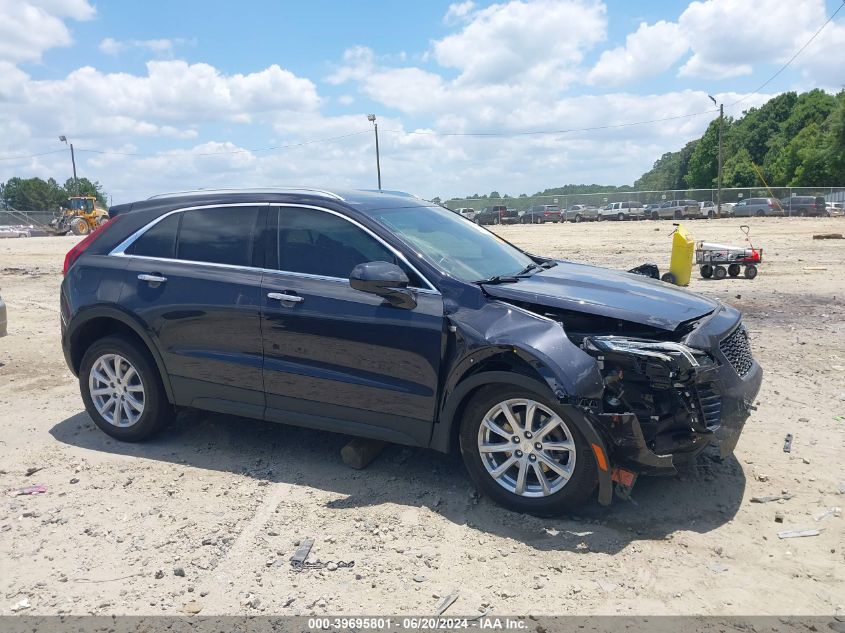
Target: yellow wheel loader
x=83, y=215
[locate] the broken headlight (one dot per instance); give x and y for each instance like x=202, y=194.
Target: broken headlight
x=677, y=356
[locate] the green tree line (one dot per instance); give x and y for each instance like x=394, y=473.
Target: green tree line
x=36, y=194
x=797, y=140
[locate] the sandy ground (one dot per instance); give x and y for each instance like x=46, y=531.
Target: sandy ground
x=211, y=505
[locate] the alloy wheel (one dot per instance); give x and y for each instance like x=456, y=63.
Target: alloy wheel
x=526, y=448
x=116, y=390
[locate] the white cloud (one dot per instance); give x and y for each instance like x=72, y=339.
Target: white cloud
x=111, y=46
x=729, y=36
x=458, y=11
x=517, y=41
x=28, y=28
x=650, y=50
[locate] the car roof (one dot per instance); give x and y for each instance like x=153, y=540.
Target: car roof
x=361, y=199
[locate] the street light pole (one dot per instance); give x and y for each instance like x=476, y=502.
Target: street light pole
x=372, y=117
x=63, y=139
x=719, y=177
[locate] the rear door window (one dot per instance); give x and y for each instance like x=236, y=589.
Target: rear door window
x=159, y=240
x=222, y=235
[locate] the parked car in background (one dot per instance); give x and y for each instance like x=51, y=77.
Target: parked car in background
x=676, y=210
x=540, y=213
x=803, y=206
x=622, y=211
x=3, y=318
x=582, y=213
x=466, y=212
x=381, y=315
x=14, y=231
x=491, y=215
x=757, y=207
x=835, y=209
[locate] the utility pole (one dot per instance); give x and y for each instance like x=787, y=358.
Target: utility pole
x=372, y=117
x=719, y=177
x=63, y=139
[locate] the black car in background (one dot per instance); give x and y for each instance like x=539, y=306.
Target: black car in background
x=497, y=214
x=381, y=315
x=804, y=206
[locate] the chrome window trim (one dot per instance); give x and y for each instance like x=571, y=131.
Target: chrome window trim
x=120, y=249
x=255, y=190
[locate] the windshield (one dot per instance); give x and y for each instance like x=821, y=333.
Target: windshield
x=454, y=244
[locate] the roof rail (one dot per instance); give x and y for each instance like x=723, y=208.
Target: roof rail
x=317, y=192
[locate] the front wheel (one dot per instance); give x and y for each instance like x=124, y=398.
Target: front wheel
x=706, y=271
x=733, y=270
x=79, y=227
x=524, y=453
x=122, y=390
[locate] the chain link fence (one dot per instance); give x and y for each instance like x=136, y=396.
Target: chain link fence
x=565, y=201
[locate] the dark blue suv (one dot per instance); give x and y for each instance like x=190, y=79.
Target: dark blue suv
x=381, y=315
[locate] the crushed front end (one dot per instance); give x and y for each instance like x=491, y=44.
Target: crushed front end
x=665, y=401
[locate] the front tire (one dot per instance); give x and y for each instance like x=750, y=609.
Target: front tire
x=122, y=390
x=548, y=470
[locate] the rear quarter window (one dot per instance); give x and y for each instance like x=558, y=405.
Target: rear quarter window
x=159, y=240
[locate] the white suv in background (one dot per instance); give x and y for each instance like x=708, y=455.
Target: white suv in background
x=622, y=211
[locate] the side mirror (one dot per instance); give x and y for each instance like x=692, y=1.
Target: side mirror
x=385, y=280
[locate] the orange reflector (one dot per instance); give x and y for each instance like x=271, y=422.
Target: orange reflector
x=600, y=458
x=624, y=477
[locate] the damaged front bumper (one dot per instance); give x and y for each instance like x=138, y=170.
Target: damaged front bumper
x=665, y=402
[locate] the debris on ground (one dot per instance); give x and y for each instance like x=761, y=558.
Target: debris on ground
x=192, y=608
x=251, y=600
x=828, y=236
x=20, y=606
x=717, y=568
x=798, y=533
x=447, y=602
x=32, y=470
x=778, y=517
x=835, y=511
x=770, y=498
x=28, y=490
x=787, y=443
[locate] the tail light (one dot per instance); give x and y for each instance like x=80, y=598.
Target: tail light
x=771, y=206
x=74, y=253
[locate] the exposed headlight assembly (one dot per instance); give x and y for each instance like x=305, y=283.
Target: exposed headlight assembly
x=674, y=354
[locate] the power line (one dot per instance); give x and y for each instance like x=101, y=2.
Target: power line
x=553, y=132
x=791, y=59
x=55, y=151
x=190, y=154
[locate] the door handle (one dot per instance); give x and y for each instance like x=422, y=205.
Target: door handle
x=280, y=296
x=153, y=279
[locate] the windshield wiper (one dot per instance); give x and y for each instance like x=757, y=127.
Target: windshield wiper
x=509, y=279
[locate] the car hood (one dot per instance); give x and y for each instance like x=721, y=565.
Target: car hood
x=609, y=293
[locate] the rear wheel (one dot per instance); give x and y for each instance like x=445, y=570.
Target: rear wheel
x=761, y=213
x=655, y=215
x=710, y=215
x=122, y=390
x=750, y=271
x=578, y=218
x=524, y=453
x=802, y=213
x=733, y=270
x=620, y=216
x=706, y=271
x=719, y=272
x=679, y=215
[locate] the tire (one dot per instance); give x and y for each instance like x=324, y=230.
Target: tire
x=669, y=278
x=761, y=213
x=750, y=271
x=560, y=494
x=706, y=271
x=655, y=215
x=578, y=219
x=155, y=409
x=710, y=215
x=719, y=272
x=78, y=226
x=733, y=270
x=679, y=215
x=620, y=216
x=802, y=213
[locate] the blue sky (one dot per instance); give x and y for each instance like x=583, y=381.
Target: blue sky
x=172, y=95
